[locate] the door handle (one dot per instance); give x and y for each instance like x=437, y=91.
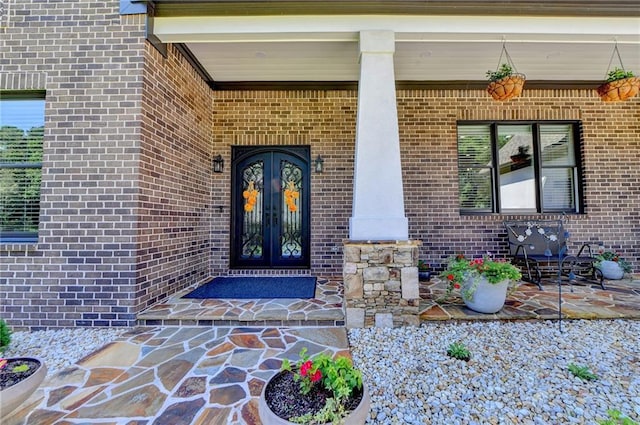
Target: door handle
x=267, y=219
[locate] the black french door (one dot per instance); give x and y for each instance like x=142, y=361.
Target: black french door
x=270, y=207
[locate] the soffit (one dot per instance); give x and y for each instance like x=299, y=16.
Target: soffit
x=428, y=48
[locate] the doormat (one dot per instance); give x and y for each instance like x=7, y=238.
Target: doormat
x=252, y=287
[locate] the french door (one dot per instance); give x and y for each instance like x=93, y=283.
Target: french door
x=270, y=207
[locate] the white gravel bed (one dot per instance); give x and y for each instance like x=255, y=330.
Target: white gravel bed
x=61, y=348
x=518, y=373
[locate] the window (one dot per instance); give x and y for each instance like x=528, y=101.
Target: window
x=21, y=135
x=519, y=167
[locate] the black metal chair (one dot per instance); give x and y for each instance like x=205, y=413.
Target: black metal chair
x=540, y=246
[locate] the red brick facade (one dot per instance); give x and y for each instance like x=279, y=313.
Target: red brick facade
x=132, y=213
x=427, y=120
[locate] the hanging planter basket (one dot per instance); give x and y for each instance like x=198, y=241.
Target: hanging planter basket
x=620, y=84
x=619, y=90
x=505, y=82
x=507, y=88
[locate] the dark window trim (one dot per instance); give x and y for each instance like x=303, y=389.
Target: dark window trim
x=14, y=236
x=576, y=126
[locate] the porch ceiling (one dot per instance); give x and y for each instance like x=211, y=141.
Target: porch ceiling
x=429, y=48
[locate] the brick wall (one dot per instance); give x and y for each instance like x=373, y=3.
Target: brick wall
x=174, y=213
x=427, y=121
x=325, y=120
x=89, y=60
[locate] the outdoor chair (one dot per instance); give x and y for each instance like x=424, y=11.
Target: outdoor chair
x=540, y=247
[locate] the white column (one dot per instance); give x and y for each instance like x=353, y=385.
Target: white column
x=378, y=203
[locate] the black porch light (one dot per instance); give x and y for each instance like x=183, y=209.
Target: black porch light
x=218, y=164
x=319, y=164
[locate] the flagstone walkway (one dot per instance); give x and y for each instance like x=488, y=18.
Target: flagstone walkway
x=174, y=376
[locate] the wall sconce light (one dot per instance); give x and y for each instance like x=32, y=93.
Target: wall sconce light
x=218, y=164
x=319, y=164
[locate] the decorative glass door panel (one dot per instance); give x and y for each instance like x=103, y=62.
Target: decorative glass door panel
x=271, y=214
x=252, y=193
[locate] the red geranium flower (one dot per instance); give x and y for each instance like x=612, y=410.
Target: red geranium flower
x=450, y=277
x=316, y=376
x=305, y=368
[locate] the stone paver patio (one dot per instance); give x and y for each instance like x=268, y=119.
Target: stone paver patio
x=179, y=373
x=174, y=376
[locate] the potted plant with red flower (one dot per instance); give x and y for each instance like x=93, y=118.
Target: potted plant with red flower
x=483, y=283
x=611, y=264
x=315, y=390
x=19, y=376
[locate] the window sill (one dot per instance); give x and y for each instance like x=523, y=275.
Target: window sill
x=18, y=247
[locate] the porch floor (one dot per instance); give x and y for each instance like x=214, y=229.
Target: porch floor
x=323, y=310
x=621, y=299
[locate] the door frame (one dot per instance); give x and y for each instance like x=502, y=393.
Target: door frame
x=303, y=154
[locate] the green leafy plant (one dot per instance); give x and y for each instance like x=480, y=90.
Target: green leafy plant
x=617, y=418
x=5, y=336
x=582, y=372
x=618, y=74
x=461, y=269
x=336, y=375
x=423, y=266
x=21, y=368
x=459, y=351
x=505, y=70
x=604, y=255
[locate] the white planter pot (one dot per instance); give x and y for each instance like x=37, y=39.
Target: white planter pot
x=488, y=297
x=13, y=396
x=611, y=270
x=356, y=417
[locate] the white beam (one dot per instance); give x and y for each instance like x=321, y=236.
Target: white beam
x=406, y=28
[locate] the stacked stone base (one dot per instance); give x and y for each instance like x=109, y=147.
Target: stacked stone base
x=381, y=284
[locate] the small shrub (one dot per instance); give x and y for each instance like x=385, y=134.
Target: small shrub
x=457, y=350
x=5, y=336
x=582, y=372
x=616, y=418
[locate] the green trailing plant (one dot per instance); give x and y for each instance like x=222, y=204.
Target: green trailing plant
x=618, y=74
x=5, y=336
x=459, y=351
x=582, y=372
x=617, y=418
x=505, y=70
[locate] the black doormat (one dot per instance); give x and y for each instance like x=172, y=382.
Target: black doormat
x=243, y=287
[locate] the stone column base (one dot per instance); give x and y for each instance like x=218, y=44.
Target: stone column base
x=381, y=283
